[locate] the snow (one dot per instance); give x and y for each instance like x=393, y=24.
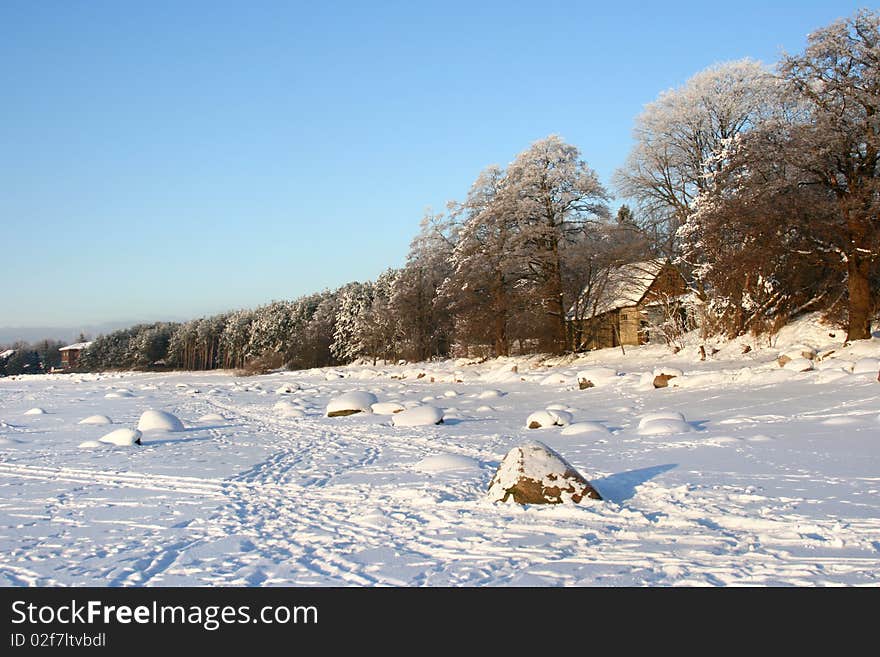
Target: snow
x=420, y=416
x=548, y=418
x=352, y=401
x=121, y=437
x=77, y=346
x=774, y=482
x=580, y=428
x=35, y=411
x=597, y=375
x=96, y=419
x=153, y=420
x=446, y=463
x=91, y=444
x=867, y=366
x=387, y=408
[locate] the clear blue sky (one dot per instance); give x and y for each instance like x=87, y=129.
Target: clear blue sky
x=172, y=159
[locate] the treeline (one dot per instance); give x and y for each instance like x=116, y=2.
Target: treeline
x=760, y=184
x=30, y=358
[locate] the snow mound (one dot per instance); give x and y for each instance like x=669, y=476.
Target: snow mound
x=533, y=473
x=351, y=403
x=544, y=419
x=662, y=415
x=668, y=371
x=446, y=463
x=292, y=413
x=159, y=420
x=387, y=408
x=122, y=437
x=490, y=394
x=119, y=394
x=596, y=376
x=798, y=365
x=212, y=417
x=866, y=366
x=450, y=393
x=419, y=416
x=96, y=419
x=579, y=428
x=556, y=407
x=35, y=411
x=663, y=426
x=557, y=378
x=90, y=444
x=287, y=388
x=485, y=409
x=796, y=351
x=8, y=442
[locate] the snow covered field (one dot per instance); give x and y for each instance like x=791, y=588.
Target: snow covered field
x=773, y=477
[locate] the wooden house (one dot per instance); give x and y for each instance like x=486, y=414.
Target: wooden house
x=624, y=304
x=70, y=354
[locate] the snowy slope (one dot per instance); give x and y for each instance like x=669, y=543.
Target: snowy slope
x=776, y=482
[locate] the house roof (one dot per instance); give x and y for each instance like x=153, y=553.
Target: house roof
x=6, y=354
x=76, y=347
x=625, y=286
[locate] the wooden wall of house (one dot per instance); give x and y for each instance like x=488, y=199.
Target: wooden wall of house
x=630, y=319
x=599, y=332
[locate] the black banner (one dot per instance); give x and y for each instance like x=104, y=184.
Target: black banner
x=113, y=620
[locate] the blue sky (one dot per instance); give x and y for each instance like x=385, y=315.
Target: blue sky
x=173, y=159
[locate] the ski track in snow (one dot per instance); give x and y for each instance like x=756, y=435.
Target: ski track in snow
x=760, y=493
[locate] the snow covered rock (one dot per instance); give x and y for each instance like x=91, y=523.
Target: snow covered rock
x=446, y=463
x=118, y=394
x=96, y=419
x=595, y=376
x=122, y=437
x=159, y=420
x=668, y=371
x=797, y=364
x=35, y=411
x=666, y=422
x=90, y=444
x=420, y=416
x=662, y=380
x=866, y=366
x=387, y=408
x=661, y=415
x=544, y=419
x=533, y=473
x=212, y=417
x=286, y=389
x=351, y=403
x=579, y=428
x=795, y=352
x=490, y=394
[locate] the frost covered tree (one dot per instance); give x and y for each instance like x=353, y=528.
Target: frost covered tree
x=555, y=197
x=837, y=82
x=679, y=136
x=424, y=325
x=790, y=221
x=376, y=328
x=481, y=290
x=348, y=343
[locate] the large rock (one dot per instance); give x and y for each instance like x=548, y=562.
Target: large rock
x=548, y=418
x=122, y=437
x=159, y=421
x=351, y=403
x=420, y=416
x=533, y=473
x=594, y=376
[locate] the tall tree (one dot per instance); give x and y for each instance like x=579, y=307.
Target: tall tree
x=556, y=197
x=678, y=136
x=837, y=82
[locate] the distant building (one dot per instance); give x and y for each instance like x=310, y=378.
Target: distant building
x=622, y=305
x=6, y=354
x=70, y=354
